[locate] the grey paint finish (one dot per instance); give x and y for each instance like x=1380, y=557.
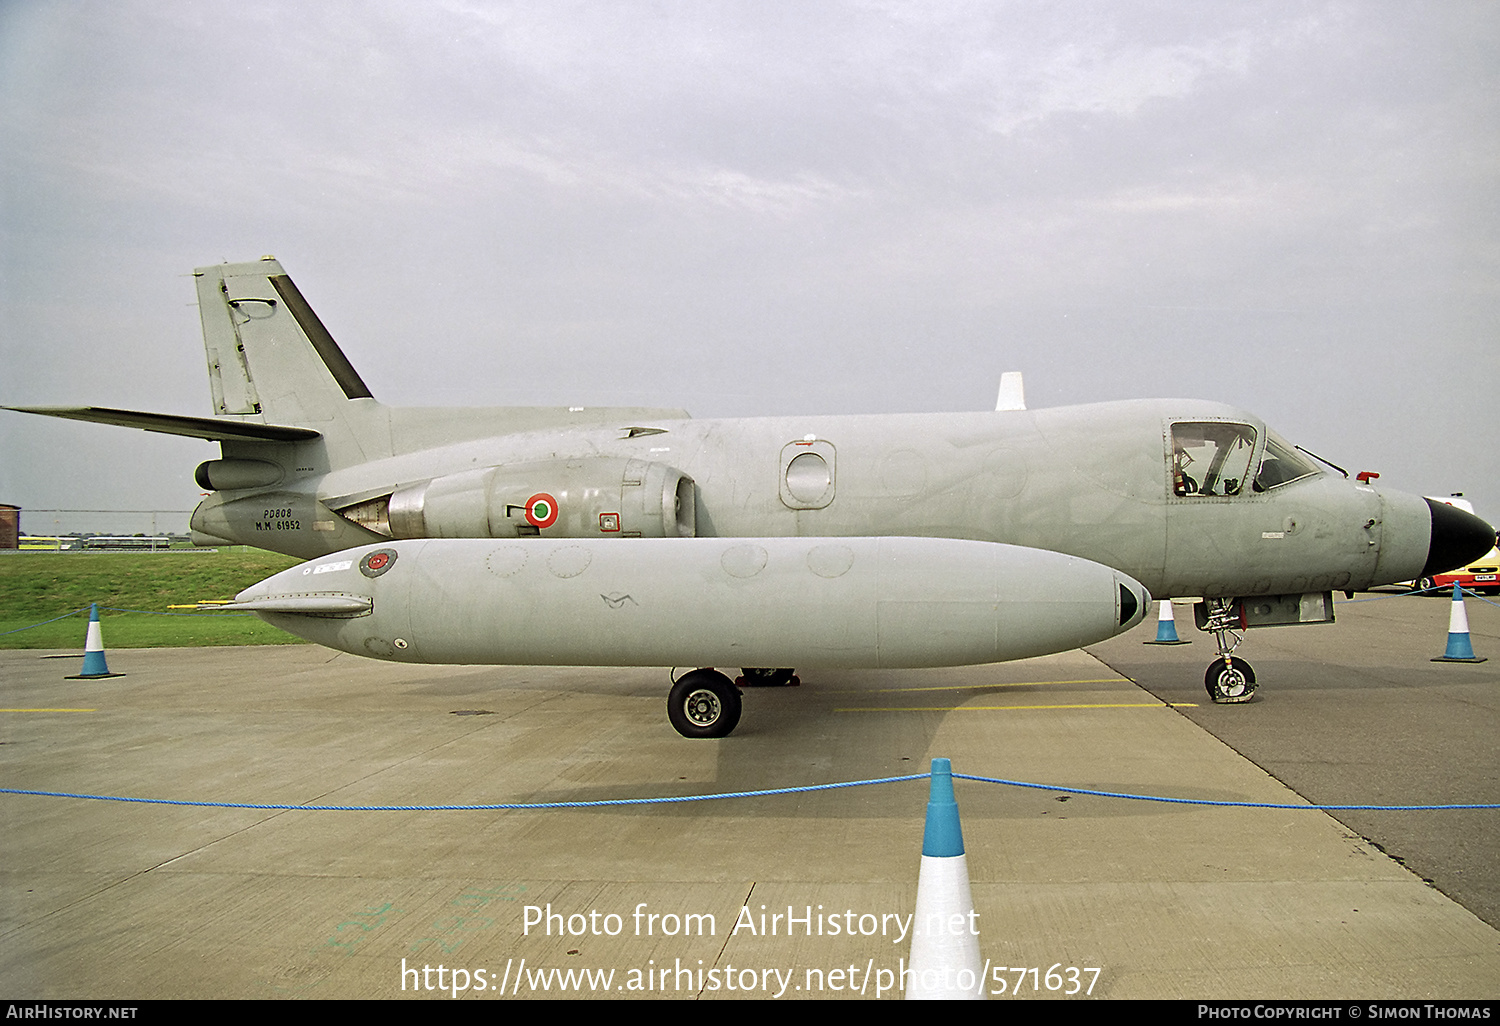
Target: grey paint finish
x=1102, y=482
x=854, y=541
x=1091, y=481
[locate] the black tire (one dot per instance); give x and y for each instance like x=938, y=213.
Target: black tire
x=764, y=677
x=1231, y=683
x=1426, y=584
x=704, y=703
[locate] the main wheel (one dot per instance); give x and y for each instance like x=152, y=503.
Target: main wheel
x=764, y=677
x=704, y=703
x=1229, y=683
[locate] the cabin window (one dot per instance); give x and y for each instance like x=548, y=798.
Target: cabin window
x=807, y=474
x=1211, y=458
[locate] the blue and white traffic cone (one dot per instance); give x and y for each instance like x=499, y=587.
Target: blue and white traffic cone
x=1460, y=650
x=93, y=651
x=1166, y=627
x=945, y=929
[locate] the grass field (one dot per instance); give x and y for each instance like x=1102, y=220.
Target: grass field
x=37, y=586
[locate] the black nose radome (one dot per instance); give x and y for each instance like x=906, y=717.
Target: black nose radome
x=1458, y=538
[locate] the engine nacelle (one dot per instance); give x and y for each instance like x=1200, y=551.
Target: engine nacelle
x=589, y=497
x=227, y=475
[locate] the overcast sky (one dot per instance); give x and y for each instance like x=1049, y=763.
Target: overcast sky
x=763, y=208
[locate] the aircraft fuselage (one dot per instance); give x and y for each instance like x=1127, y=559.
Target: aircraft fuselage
x=1093, y=481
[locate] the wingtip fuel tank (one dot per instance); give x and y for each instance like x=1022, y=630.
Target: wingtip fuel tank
x=807, y=602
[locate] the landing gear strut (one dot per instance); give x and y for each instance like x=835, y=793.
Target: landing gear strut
x=704, y=703
x=1228, y=680
x=764, y=677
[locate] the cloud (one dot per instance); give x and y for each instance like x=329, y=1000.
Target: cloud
x=1097, y=79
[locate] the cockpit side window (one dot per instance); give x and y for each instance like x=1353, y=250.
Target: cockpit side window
x=1211, y=458
x=1282, y=464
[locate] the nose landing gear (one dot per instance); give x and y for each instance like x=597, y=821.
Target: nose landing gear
x=1228, y=680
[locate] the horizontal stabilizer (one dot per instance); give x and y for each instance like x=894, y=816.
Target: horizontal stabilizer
x=327, y=604
x=216, y=429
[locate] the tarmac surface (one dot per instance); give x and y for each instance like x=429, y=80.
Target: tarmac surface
x=124, y=901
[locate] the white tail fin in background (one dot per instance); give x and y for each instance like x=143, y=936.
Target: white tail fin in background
x=1012, y=392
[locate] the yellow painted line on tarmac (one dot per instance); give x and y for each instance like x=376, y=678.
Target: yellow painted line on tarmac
x=1005, y=708
x=47, y=710
x=981, y=687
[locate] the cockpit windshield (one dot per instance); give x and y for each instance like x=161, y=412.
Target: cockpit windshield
x=1282, y=464
x=1214, y=459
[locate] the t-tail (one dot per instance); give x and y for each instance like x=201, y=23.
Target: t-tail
x=276, y=375
x=271, y=361
x=295, y=422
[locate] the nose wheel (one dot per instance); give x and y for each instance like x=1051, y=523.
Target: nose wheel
x=1229, y=681
x=704, y=703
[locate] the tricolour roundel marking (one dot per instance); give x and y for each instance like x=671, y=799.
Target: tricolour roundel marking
x=541, y=510
x=378, y=562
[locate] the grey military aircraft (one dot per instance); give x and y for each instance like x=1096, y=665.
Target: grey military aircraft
x=639, y=536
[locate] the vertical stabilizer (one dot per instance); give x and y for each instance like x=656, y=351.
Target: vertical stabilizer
x=271, y=359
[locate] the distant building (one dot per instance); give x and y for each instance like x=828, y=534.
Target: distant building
x=10, y=526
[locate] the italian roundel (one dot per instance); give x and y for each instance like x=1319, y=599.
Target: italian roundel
x=541, y=510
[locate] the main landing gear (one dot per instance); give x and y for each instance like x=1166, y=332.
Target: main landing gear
x=705, y=703
x=1228, y=680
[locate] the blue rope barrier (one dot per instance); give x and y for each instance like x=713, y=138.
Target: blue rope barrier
x=521, y=806
x=478, y=808
x=28, y=627
x=1446, y=589
x=1205, y=801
